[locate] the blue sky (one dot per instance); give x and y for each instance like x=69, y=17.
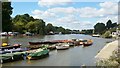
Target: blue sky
x=69, y=14
x=27, y=7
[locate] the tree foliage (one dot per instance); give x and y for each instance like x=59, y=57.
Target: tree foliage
x=49, y=28
x=26, y=23
x=109, y=24
x=89, y=31
x=6, y=18
x=107, y=34
x=99, y=28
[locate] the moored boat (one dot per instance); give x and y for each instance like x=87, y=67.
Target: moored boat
x=34, y=46
x=5, y=58
x=38, y=54
x=71, y=44
x=11, y=46
x=50, y=42
x=95, y=35
x=5, y=44
x=14, y=48
x=88, y=42
x=51, y=47
x=9, y=57
x=41, y=42
x=62, y=47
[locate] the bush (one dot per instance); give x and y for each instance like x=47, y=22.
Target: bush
x=107, y=34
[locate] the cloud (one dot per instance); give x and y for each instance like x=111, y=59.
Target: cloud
x=106, y=8
x=105, y=19
x=88, y=12
x=67, y=19
x=49, y=3
x=43, y=14
x=71, y=17
x=68, y=10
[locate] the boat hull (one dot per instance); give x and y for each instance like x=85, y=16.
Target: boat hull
x=51, y=47
x=87, y=44
x=38, y=43
x=14, y=57
x=38, y=55
x=62, y=48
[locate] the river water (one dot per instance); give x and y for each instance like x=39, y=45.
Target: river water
x=75, y=56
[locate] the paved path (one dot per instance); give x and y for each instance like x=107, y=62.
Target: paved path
x=106, y=52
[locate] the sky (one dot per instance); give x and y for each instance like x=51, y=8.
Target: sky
x=69, y=14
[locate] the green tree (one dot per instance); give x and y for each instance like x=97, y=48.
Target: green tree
x=118, y=26
x=67, y=31
x=23, y=18
x=31, y=27
x=109, y=24
x=40, y=26
x=107, y=34
x=99, y=28
x=50, y=27
x=61, y=29
x=21, y=21
x=114, y=25
x=6, y=18
x=18, y=27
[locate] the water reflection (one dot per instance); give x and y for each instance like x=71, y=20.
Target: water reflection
x=5, y=39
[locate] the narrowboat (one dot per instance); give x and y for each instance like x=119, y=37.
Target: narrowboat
x=38, y=54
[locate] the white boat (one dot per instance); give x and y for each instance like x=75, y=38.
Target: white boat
x=62, y=46
x=3, y=34
x=95, y=35
x=71, y=44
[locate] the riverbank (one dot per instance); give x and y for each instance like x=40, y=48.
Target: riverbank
x=107, y=50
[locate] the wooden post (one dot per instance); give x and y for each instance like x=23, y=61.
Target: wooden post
x=12, y=55
x=1, y=61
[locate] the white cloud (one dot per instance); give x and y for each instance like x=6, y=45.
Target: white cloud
x=49, y=3
x=106, y=8
x=35, y=12
x=70, y=17
x=68, y=10
x=88, y=12
x=105, y=19
x=67, y=19
x=43, y=14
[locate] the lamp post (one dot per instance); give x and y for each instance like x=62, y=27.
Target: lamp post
x=117, y=31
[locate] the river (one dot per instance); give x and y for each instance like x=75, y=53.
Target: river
x=75, y=56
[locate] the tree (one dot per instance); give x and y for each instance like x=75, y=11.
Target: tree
x=23, y=18
x=114, y=25
x=40, y=26
x=107, y=34
x=6, y=18
x=31, y=27
x=109, y=24
x=99, y=28
x=21, y=22
x=61, y=29
x=50, y=27
x=18, y=27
